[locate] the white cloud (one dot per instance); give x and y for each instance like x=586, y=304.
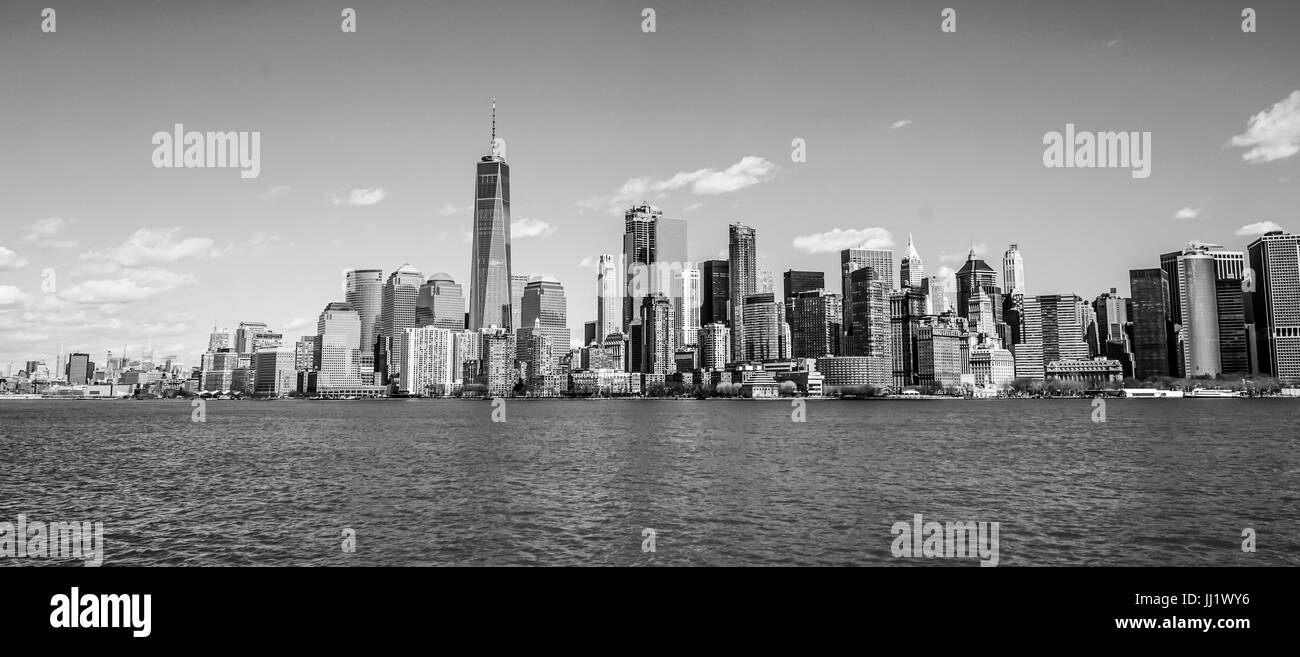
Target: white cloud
x=261, y=243
x=693, y=207
x=297, y=323
x=944, y=272
x=749, y=171
x=11, y=296
x=980, y=250
x=467, y=237
x=1188, y=212
x=450, y=209
x=528, y=227
x=153, y=247
x=899, y=125
x=129, y=286
x=838, y=240
x=1273, y=134
x=278, y=190
x=360, y=196
x=44, y=234
x=1258, y=228
x=10, y=260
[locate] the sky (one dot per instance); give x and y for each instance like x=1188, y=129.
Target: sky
x=368, y=142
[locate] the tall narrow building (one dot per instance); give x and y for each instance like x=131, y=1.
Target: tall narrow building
x=639, y=233
x=1274, y=292
x=1152, y=322
x=1227, y=265
x=686, y=304
x=742, y=266
x=1198, y=332
x=396, y=314
x=714, y=290
x=609, y=298
x=912, y=269
x=365, y=290
x=1013, y=271
x=975, y=275
x=881, y=262
x=490, y=273
x=440, y=304
x=544, y=307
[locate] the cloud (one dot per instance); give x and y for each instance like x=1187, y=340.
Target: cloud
x=10, y=260
x=261, y=243
x=1188, y=212
x=749, y=171
x=1273, y=134
x=980, y=250
x=838, y=240
x=450, y=209
x=44, y=234
x=297, y=323
x=11, y=296
x=153, y=247
x=944, y=272
x=693, y=207
x=130, y=286
x=1258, y=228
x=278, y=190
x=527, y=227
x=899, y=125
x=360, y=196
x=467, y=236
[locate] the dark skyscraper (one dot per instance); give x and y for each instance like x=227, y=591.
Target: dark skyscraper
x=1227, y=264
x=1275, y=280
x=803, y=281
x=1234, y=355
x=1152, y=324
x=489, y=303
x=977, y=275
x=815, y=324
x=653, y=248
x=881, y=262
x=715, y=288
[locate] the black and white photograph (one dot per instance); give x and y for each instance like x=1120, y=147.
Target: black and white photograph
x=378, y=290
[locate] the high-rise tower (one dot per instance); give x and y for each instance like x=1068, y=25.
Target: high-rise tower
x=741, y=270
x=1013, y=271
x=912, y=270
x=490, y=302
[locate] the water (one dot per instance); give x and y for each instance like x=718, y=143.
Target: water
x=1161, y=482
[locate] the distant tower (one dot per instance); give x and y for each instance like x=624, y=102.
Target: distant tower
x=609, y=298
x=365, y=294
x=741, y=271
x=913, y=270
x=490, y=298
x=1013, y=271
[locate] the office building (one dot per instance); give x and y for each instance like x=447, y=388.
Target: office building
x=742, y=265
x=715, y=288
x=491, y=278
x=365, y=293
x=911, y=270
x=1275, y=304
x=440, y=303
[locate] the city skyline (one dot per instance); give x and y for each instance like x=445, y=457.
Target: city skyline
x=135, y=257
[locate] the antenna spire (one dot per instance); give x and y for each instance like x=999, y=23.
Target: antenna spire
x=494, y=121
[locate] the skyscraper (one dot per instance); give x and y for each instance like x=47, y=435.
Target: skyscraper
x=1228, y=264
x=907, y=307
x=881, y=261
x=218, y=339
x=1115, y=328
x=912, y=269
x=762, y=322
x=396, y=314
x=490, y=298
x=338, y=340
x=1274, y=291
x=1234, y=352
x=517, y=284
x=975, y=275
x=1013, y=271
x=714, y=290
x=715, y=346
x=815, y=318
x=1198, y=332
x=365, y=293
x=544, y=307
x=658, y=343
x=425, y=357
x=796, y=282
x=244, y=336
x=871, y=334
x=80, y=369
x=609, y=298
x=742, y=268
x=639, y=233
x=440, y=303
x=1152, y=322
x=686, y=304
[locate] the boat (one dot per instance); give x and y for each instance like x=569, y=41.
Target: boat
x=1213, y=393
x=1150, y=393
x=18, y=397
